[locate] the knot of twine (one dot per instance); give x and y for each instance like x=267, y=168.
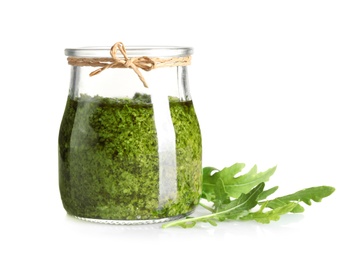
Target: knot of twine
x=143, y=62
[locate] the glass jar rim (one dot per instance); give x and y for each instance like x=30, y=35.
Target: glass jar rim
x=132, y=51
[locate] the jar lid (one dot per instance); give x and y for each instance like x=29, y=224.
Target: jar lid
x=132, y=51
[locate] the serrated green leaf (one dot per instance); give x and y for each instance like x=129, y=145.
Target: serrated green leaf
x=271, y=215
x=232, y=210
x=234, y=195
x=276, y=203
x=189, y=224
x=209, y=180
x=267, y=193
x=212, y=222
x=221, y=197
x=208, y=170
x=248, y=201
x=208, y=194
x=234, y=186
x=307, y=195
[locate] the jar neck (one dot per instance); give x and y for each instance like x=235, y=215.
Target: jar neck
x=124, y=83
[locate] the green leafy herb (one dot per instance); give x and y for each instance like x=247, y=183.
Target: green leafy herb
x=234, y=186
x=241, y=197
x=306, y=195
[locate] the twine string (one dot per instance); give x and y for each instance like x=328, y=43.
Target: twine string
x=144, y=62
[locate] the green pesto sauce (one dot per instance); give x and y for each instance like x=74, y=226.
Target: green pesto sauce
x=108, y=159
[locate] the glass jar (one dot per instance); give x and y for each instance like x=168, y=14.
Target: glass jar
x=129, y=142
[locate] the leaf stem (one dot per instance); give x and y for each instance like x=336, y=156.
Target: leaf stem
x=206, y=207
x=192, y=219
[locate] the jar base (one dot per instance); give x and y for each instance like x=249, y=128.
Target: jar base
x=133, y=222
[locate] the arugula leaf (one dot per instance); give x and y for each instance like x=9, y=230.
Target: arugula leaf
x=267, y=193
x=233, y=210
x=276, y=203
x=306, y=195
x=221, y=197
x=234, y=197
x=244, y=202
x=234, y=186
x=274, y=214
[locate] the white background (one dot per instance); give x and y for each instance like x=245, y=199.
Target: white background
x=273, y=82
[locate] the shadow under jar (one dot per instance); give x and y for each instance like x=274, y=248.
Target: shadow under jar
x=129, y=154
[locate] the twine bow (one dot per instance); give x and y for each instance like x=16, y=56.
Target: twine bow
x=144, y=62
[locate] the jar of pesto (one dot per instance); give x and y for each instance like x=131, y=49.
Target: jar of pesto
x=129, y=141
